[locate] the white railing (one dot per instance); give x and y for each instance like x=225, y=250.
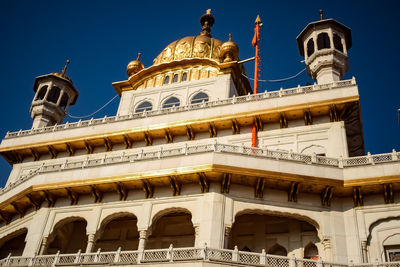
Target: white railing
x=141, y=154
x=172, y=254
x=228, y=101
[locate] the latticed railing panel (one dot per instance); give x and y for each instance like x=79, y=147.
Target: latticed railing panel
x=19, y=261
x=44, y=260
x=187, y=254
x=249, y=258
x=155, y=255
x=128, y=257
x=306, y=263
x=67, y=259
x=219, y=255
x=277, y=261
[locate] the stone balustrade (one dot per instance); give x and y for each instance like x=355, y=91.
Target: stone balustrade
x=172, y=254
x=133, y=155
x=229, y=101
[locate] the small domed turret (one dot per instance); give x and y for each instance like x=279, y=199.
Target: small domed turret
x=134, y=66
x=229, y=50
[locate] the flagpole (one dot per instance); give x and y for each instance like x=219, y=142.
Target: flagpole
x=255, y=42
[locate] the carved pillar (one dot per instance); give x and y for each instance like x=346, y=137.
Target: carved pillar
x=90, y=243
x=60, y=97
x=364, y=251
x=326, y=242
x=43, y=247
x=196, y=235
x=227, y=234
x=142, y=240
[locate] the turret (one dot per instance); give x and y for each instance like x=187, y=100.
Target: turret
x=324, y=45
x=54, y=93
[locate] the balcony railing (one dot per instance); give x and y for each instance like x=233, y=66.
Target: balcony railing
x=141, y=154
x=172, y=254
x=229, y=101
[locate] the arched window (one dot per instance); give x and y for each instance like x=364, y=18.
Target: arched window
x=323, y=41
x=175, y=78
x=53, y=94
x=277, y=250
x=311, y=252
x=171, y=102
x=166, y=80
x=14, y=244
x=310, y=47
x=337, y=42
x=184, y=77
x=146, y=105
x=42, y=93
x=199, y=98
x=68, y=237
x=64, y=100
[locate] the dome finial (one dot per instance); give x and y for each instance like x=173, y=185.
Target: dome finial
x=134, y=66
x=321, y=14
x=65, y=68
x=206, y=21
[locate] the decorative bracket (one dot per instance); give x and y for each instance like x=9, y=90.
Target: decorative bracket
x=235, y=127
x=73, y=196
x=204, y=184
x=148, y=189
x=33, y=202
x=259, y=124
x=226, y=183
x=293, y=192
x=70, y=149
x=168, y=136
x=52, y=151
x=388, y=193
x=259, y=188
x=147, y=139
x=190, y=133
x=5, y=218
x=357, y=196
x=283, y=121
x=51, y=200
x=326, y=196
x=175, y=185
x=122, y=191
x=89, y=147
x=35, y=154
x=108, y=144
x=212, y=130
x=333, y=114
x=127, y=141
x=97, y=194
x=307, y=117
x=18, y=210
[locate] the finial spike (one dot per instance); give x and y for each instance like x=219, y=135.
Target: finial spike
x=138, y=56
x=258, y=20
x=208, y=11
x=230, y=36
x=65, y=68
x=321, y=14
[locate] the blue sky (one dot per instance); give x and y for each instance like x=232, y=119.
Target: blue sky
x=101, y=37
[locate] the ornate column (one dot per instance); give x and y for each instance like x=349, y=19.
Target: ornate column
x=90, y=243
x=43, y=247
x=196, y=235
x=364, y=251
x=327, y=244
x=142, y=240
x=227, y=234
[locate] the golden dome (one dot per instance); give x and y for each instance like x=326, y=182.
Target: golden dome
x=134, y=66
x=229, y=50
x=201, y=46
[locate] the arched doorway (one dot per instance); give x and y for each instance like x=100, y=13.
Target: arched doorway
x=174, y=228
x=264, y=231
x=120, y=231
x=68, y=236
x=311, y=252
x=13, y=243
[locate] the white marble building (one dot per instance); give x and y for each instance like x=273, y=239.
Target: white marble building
x=172, y=177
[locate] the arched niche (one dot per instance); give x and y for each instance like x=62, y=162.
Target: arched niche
x=118, y=230
x=68, y=236
x=259, y=230
x=311, y=251
x=13, y=243
x=171, y=227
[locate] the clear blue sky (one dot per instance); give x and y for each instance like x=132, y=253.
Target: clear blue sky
x=101, y=37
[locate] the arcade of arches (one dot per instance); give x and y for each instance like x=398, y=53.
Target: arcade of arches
x=277, y=235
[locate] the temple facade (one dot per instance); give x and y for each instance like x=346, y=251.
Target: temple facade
x=172, y=177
